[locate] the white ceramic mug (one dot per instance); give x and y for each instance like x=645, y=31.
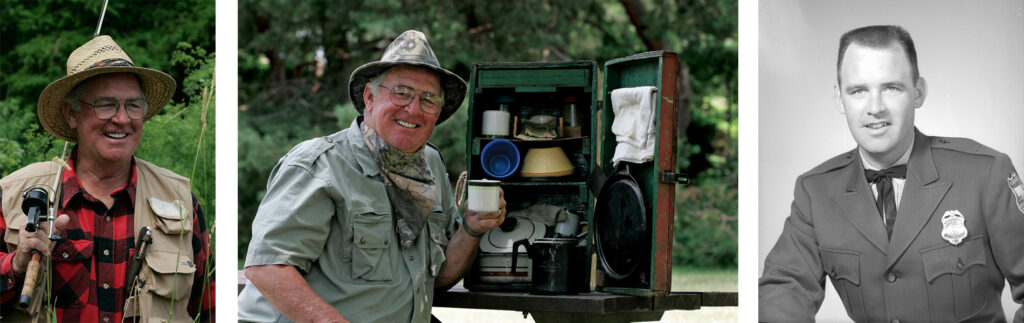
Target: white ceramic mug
x=568, y=227
x=483, y=196
x=495, y=123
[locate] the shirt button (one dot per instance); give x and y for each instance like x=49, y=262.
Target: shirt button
x=106, y=286
x=411, y=258
x=65, y=255
x=362, y=240
x=891, y=277
x=106, y=319
x=106, y=252
x=107, y=219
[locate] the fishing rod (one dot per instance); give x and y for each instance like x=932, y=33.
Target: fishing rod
x=37, y=199
x=99, y=24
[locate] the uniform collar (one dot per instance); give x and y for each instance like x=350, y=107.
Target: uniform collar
x=71, y=185
x=920, y=165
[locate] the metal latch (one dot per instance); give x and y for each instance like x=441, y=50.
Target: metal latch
x=674, y=178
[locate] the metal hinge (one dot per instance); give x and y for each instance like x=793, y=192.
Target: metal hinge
x=674, y=178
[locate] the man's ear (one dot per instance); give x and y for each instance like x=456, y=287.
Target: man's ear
x=920, y=92
x=367, y=98
x=69, y=115
x=839, y=99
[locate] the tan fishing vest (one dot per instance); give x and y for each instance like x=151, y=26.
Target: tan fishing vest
x=162, y=202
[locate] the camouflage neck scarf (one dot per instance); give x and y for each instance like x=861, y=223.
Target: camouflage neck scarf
x=409, y=183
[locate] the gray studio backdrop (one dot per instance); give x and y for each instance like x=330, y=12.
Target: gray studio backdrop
x=970, y=52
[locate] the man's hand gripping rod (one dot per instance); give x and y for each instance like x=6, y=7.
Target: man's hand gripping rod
x=35, y=201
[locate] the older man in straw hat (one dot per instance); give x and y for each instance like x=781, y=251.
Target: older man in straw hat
x=104, y=196
x=361, y=225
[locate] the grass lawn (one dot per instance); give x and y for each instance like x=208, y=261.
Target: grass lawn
x=683, y=279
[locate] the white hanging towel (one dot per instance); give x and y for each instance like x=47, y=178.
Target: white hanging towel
x=634, y=124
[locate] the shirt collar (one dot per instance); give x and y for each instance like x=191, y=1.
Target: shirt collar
x=367, y=164
x=903, y=160
x=71, y=185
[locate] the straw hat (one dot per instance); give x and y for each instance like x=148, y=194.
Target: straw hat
x=410, y=48
x=101, y=55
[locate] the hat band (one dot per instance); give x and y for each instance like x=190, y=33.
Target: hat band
x=111, y=62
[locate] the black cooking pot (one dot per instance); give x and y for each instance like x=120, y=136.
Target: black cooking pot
x=552, y=264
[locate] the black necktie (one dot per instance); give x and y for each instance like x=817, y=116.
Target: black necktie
x=886, y=201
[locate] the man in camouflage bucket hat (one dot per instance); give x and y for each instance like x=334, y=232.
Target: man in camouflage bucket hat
x=361, y=225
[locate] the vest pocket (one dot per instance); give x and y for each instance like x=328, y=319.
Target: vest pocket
x=370, y=239
x=843, y=267
x=171, y=274
x=171, y=217
x=166, y=284
x=948, y=269
x=437, y=223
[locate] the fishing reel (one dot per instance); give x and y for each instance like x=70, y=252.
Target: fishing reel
x=35, y=204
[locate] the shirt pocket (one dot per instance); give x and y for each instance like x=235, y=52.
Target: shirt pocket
x=843, y=267
x=371, y=239
x=72, y=261
x=437, y=223
x=949, y=270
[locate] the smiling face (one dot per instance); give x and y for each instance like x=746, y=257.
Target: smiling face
x=110, y=141
x=406, y=128
x=878, y=95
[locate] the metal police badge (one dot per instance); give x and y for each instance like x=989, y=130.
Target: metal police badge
x=1017, y=188
x=953, y=229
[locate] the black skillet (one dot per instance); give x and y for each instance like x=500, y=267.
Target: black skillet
x=621, y=224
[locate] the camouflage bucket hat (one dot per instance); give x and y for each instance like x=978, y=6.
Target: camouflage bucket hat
x=100, y=55
x=410, y=48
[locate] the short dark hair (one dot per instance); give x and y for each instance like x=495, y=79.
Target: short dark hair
x=878, y=37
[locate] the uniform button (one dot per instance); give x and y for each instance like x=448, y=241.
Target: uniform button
x=959, y=264
x=891, y=277
x=107, y=219
x=106, y=286
x=65, y=255
x=411, y=258
x=106, y=252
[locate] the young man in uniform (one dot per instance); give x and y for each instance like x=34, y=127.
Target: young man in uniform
x=908, y=227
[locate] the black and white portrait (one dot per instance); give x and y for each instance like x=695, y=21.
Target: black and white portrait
x=890, y=139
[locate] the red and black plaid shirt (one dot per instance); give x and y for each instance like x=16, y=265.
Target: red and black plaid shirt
x=89, y=265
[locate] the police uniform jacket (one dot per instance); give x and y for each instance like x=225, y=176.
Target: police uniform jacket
x=835, y=230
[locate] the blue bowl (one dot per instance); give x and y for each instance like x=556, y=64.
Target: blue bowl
x=500, y=158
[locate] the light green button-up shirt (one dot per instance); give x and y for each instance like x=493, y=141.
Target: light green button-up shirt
x=327, y=213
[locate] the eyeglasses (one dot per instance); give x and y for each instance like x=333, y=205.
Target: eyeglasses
x=402, y=95
x=106, y=108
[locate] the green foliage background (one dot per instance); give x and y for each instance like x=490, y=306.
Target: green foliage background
x=295, y=59
x=176, y=37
